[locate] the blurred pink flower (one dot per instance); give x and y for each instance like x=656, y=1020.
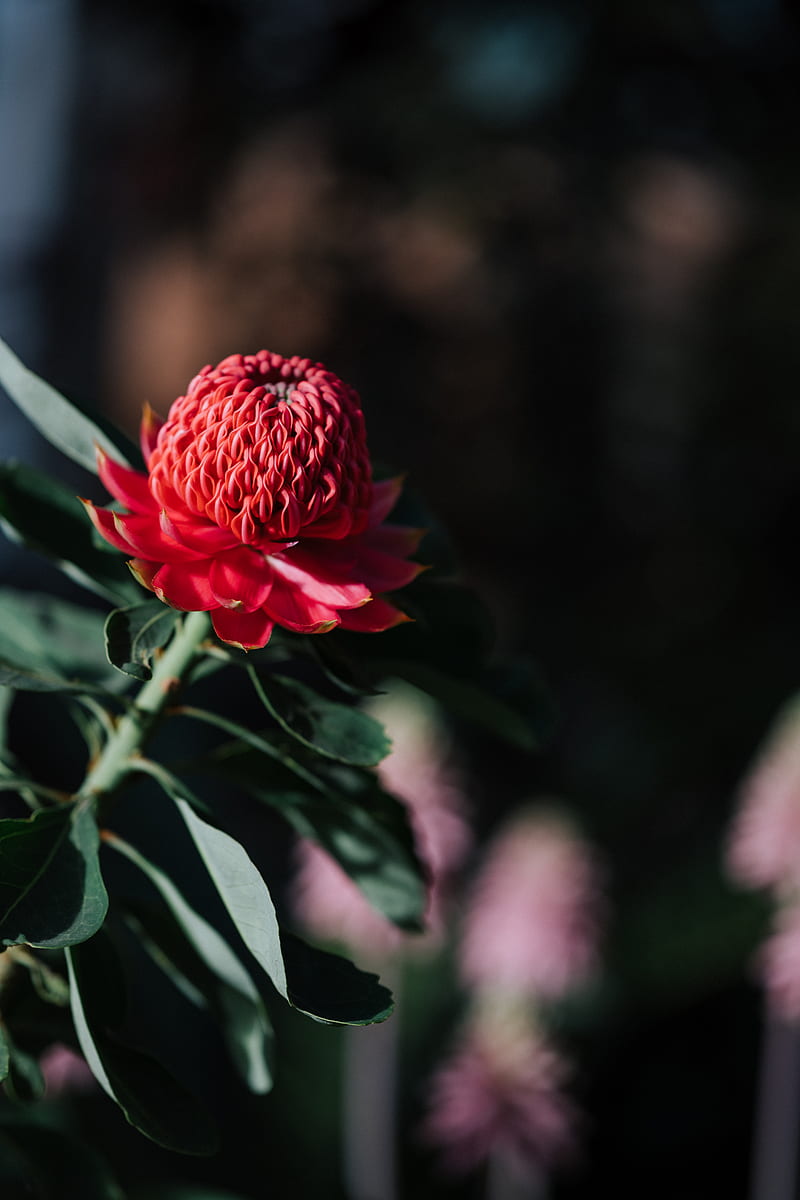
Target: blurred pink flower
x=531, y=923
x=501, y=1092
x=764, y=848
x=418, y=771
x=65, y=1071
x=778, y=964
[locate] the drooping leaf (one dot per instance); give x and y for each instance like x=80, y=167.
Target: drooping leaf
x=222, y=979
x=60, y=421
x=246, y=897
x=347, y=812
x=134, y=634
x=51, y=890
x=45, y=516
x=149, y=1096
x=330, y=989
x=334, y=730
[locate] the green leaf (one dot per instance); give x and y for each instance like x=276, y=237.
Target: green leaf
x=149, y=1096
x=330, y=729
x=230, y=990
x=347, y=812
x=330, y=989
x=24, y=1081
x=45, y=516
x=47, y=644
x=49, y=1164
x=4, y=1054
x=51, y=889
x=62, y=423
x=134, y=634
x=246, y=897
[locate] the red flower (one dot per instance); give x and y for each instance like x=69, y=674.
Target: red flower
x=259, y=506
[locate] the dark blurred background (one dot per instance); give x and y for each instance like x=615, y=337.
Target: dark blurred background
x=556, y=246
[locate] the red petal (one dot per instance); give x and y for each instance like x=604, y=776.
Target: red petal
x=300, y=571
x=146, y=538
x=202, y=536
x=148, y=431
x=144, y=572
x=186, y=586
x=241, y=578
x=384, y=497
x=105, y=524
x=127, y=486
x=289, y=607
x=384, y=572
x=373, y=617
x=249, y=631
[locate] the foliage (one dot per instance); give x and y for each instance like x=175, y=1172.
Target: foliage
x=109, y=906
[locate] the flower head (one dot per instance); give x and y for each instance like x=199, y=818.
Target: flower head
x=531, y=923
x=501, y=1091
x=764, y=848
x=259, y=504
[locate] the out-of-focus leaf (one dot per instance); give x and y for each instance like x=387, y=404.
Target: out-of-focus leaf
x=334, y=730
x=357, y=999
x=60, y=421
x=47, y=644
x=4, y=1055
x=51, y=889
x=24, y=1080
x=347, y=812
x=44, y=515
x=51, y=1165
x=230, y=990
x=151, y=1099
x=134, y=634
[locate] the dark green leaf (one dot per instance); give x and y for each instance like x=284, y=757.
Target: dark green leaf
x=331, y=729
x=151, y=1099
x=134, y=634
x=347, y=812
x=63, y=424
x=47, y=644
x=360, y=1000
x=4, y=1055
x=51, y=1165
x=331, y=989
x=38, y=511
x=223, y=981
x=24, y=1081
x=51, y=889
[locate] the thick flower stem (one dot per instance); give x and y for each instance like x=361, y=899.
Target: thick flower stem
x=133, y=729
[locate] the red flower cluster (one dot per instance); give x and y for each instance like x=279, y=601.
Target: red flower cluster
x=259, y=505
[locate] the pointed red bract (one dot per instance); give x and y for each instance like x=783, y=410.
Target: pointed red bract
x=259, y=505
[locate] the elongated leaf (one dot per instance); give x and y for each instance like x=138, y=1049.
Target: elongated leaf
x=134, y=634
x=62, y=423
x=38, y=511
x=360, y=1000
x=4, y=1055
x=232, y=993
x=151, y=1099
x=51, y=889
x=334, y=730
x=38, y=630
x=24, y=1080
x=348, y=813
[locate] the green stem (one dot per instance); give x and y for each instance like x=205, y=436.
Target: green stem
x=135, y=726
